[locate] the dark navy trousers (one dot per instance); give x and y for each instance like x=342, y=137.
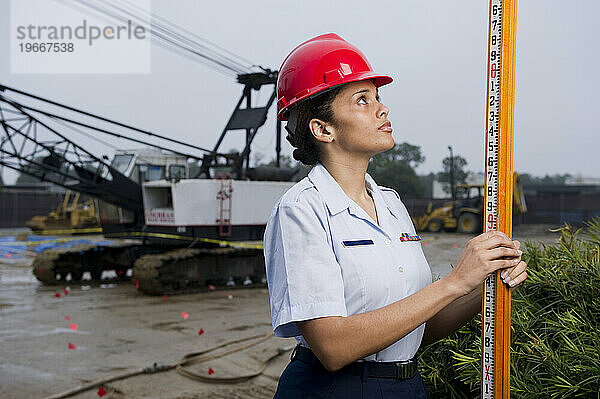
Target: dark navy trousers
x=301, y=380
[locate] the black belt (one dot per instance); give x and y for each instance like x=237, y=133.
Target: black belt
x=399, y=370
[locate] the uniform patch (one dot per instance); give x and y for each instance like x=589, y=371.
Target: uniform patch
x=409, y=237
x=356, y=243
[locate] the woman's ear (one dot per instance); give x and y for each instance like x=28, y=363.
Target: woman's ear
x=320, y=130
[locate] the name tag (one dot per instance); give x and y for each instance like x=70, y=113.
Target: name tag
x=356, y=243
x=409, y=237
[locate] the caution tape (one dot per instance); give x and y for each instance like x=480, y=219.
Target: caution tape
x=142, y=234
x=178, y=237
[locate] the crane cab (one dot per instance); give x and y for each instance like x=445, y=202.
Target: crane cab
x=150, y=164
x=142, y=165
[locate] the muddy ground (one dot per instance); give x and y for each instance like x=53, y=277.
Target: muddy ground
x=119, y=330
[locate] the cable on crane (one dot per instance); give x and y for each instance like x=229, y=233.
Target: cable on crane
x=171, y=38
x=97, y=117
x=173, y=27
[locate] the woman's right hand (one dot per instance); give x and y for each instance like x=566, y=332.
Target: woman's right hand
x=483, y=255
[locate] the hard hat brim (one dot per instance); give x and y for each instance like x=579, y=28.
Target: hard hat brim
x=379, y=80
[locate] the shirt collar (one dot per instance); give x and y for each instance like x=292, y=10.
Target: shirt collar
x=335, y=198
x=377, y=194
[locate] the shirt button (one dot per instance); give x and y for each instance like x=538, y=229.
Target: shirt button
x=400, y=269
x=387, y=241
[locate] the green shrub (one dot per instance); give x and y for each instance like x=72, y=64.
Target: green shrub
x=555, y=350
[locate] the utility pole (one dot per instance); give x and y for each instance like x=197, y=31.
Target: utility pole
x=452, y=189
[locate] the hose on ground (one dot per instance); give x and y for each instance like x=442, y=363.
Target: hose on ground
x=181, y=366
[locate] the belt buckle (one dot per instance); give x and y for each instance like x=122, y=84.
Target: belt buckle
x=406, y=369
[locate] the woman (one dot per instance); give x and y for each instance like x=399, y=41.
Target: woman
x=346, y=273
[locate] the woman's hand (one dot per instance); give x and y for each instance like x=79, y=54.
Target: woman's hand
x=484, y=254
x=514, y=276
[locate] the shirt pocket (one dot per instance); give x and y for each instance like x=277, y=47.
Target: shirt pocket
x=371, y=277
x=417, y=272
x=353, y=253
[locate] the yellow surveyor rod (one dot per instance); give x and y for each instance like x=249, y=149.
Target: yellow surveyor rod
x=496, y=309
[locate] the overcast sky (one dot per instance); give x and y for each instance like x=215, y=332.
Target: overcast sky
x=435, y=50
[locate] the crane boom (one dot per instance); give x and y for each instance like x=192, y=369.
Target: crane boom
x=31, y=146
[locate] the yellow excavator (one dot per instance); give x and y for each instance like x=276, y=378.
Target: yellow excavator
x=69, y=215
x=464, y=213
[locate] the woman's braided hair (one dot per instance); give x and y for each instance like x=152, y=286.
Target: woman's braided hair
x=318, y=107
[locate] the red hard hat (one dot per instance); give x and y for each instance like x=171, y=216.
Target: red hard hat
x=318, y=64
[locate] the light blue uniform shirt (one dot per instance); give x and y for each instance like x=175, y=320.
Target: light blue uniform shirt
x=325, y=256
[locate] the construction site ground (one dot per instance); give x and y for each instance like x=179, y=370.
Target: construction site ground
x=50, y=344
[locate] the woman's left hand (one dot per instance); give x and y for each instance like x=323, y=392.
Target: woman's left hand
x=514, y=276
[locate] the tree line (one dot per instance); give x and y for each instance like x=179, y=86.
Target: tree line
x=396, y=167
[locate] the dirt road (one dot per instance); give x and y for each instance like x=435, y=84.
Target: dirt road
x=113, y=329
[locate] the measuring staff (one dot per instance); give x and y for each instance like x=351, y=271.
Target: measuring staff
x=346, y=272
x=495, y=335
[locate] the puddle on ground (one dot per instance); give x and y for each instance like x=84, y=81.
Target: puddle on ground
x=9, y=334
x=22, y=371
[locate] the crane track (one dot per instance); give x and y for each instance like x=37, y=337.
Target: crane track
x=52, y=266
x=155, y=272
x=188, y=270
